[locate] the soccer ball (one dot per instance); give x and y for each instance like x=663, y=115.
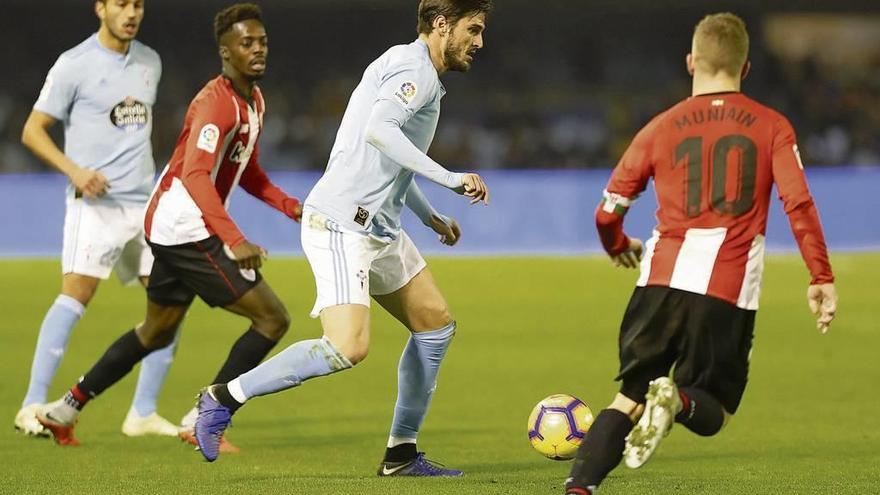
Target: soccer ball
x=557, y=426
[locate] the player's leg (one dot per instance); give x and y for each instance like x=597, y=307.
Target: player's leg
x=167, y=302
x=157, y=331
x=712, y=372
x=340, y=260
x=648, y=338
x=84, y=263
x=135, y=265
x=303, y=360
x=404, y=286
x=337, y=257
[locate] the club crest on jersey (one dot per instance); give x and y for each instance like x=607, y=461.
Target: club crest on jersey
x=406, y=92
x=361, y=216
x=129, y=115
x=208, y=137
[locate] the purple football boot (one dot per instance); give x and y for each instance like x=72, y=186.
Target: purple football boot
x=420, y=466
x=213, y=420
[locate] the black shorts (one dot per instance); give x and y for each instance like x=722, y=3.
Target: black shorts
x=707, y=340
x=199, y=268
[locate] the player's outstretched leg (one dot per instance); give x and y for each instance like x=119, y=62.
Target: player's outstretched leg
x=157, y=331
x=662, y=404
x=419, y=305
x=289, y=368
x=602, y=448
x=142, y=418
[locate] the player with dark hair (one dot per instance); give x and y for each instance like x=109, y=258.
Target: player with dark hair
x=714, y=159
x=199, y=250
x=354, y=243
x=103, y=90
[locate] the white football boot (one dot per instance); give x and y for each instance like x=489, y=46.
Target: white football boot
x=136, y=425
x=662, y=404
x=26, y=421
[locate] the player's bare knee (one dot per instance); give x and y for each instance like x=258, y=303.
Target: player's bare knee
x=80, y=288
x=274, y=324
x=431, y=318
x=355, y=352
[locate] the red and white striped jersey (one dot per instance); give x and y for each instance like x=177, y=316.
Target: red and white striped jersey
x=714, y=159
x=217, y=149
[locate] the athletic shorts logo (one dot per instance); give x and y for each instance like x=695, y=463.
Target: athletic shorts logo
x=208, y=137
x=407, y=91
x=129, y=115
x=361, y=216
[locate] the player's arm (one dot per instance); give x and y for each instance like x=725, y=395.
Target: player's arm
x=628, y=180
x=212, y=121
x=255, y=181
x=53, y=104
x=791, y=183
x=446, y=228
x=402, y=94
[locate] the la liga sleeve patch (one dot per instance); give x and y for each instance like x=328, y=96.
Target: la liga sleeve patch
x=406, y=92
x=208, y=137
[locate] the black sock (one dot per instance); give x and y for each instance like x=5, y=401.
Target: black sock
x=245, y=355
x=401, y=453
x=116, y=362
x=601, y=450
x=701, y=413
x=221, y=393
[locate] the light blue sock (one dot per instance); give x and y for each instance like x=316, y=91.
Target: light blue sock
x=416, y=381
x=51, y=344
x=154, y=369
x=289, y=368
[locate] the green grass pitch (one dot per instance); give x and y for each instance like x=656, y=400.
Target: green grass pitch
x=529, y=327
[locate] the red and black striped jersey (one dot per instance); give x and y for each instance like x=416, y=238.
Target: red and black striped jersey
x=714, y=159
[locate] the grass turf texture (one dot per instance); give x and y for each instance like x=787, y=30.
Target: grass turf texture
x=529, y=327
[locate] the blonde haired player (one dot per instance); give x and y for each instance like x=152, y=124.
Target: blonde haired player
x=714, y=158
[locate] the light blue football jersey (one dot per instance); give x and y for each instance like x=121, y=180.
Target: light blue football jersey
x=362, y=188
x=105, y=100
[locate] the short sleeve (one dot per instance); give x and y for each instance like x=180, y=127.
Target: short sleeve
x=411, y=85
x=59, y=90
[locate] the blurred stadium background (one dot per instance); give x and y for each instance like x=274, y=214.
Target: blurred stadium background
x=549, y=106
x=560, y=84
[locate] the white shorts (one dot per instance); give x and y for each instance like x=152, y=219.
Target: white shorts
x=99, y=236
x=351, y=266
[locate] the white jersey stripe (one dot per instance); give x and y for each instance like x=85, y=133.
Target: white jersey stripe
x=751, y=284
x=696, y=259
x=645, y=265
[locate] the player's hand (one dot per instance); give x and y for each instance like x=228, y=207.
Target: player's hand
x=632, y=256
x=823, y=302
x=475, y=188
x=248, y=256
x=449, y=233
x=91, y=183
x=293, y=208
